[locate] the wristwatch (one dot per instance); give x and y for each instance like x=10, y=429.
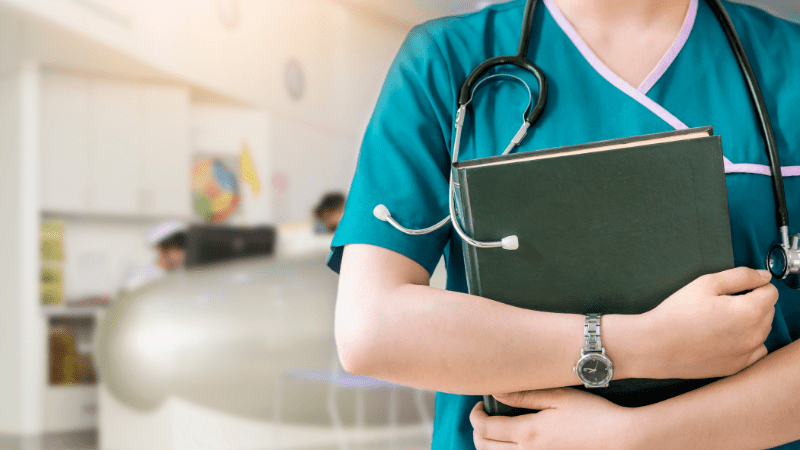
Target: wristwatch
x=594, y=369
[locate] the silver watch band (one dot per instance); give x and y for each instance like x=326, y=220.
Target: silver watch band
x=591, y=334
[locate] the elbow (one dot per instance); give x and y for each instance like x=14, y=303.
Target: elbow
x=352, y=358
x=355, y=344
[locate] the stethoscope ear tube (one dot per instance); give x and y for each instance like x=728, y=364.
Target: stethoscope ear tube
x=381, y=212
x=783, y=259
x=761, y=111
x=520, y=60
x=507, y=243
x=465, y=95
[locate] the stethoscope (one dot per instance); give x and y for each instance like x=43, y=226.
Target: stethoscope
x=783, y=258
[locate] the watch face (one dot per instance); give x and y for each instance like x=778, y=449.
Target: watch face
x=594, y=370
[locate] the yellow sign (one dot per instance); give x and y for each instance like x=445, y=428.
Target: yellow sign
x=248, y=170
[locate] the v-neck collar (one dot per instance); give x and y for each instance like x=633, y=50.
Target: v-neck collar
x=601, y=68
x=640, y=94
x=605, y=72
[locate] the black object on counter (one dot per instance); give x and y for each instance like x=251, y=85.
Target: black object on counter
x=208, y=244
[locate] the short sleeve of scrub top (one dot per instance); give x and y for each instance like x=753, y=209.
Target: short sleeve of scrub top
x=404, y=163
x=404, y=159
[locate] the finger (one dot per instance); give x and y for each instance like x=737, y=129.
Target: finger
x=739, y=279
x=496, y=428
x=477, y=413
x=768, y=293
x=482, y=443
x=760, y=301
x=540, y=399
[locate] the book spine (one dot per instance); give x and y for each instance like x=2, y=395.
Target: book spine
x=465, y=219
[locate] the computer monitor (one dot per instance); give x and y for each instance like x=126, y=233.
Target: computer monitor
x=207, y=244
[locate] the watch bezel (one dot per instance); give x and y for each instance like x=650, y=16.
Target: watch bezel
x=592, y=356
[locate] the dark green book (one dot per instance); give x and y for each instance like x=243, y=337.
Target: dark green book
x=611, y=227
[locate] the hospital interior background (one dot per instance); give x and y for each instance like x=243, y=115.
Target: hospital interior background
x=124, y=122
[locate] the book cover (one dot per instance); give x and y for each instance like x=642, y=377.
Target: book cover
x=612, y=227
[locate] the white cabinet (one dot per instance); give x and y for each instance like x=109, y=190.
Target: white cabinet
x=65, y=150
x=165, y=189
x=115, y=147
x=112, y=148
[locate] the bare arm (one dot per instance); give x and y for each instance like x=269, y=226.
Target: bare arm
x=755, y=409
x=391, y=325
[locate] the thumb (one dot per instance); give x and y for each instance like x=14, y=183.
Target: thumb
x=740, y=279
x=540, y=399
x=758, y=354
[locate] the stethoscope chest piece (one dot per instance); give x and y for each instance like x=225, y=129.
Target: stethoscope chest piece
x=783, y=261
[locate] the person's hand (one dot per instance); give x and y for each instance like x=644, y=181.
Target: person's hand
x=568, y=419
x=703, y=330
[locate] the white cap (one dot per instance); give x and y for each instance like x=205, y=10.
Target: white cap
x=164, y=230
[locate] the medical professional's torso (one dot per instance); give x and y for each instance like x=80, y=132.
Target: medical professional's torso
x=405, y=161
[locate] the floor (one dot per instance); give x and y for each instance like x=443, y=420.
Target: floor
x=87, y=440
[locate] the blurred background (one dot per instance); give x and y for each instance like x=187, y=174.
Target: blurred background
x=171, y=172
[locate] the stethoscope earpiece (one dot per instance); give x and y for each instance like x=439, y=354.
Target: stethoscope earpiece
x=510, y=243
x=381, y=212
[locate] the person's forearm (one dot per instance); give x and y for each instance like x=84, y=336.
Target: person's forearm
x=391, y=325
x=453, y=342
x=757, y=408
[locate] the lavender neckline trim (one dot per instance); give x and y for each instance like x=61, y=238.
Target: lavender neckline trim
x=640, y=94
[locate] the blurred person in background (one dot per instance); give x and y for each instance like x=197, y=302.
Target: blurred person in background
x=169, y=239
x=328, y=212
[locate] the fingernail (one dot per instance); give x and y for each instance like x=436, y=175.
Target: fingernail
x=765, y=274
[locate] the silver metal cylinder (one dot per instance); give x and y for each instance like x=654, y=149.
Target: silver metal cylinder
x=221, y=335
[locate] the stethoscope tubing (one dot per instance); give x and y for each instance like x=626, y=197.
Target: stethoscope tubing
x=790, y=252
x=520, y=60
x=765, y=125
x=782, y=213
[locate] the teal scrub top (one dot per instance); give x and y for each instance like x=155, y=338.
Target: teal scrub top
x=405, y=155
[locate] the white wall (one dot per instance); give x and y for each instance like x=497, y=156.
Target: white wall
x=9, y=43
x=344, y=54
x=10, y=351
x=22, y=352
x=193, y=41
x=314, y=161
x=317, y=156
